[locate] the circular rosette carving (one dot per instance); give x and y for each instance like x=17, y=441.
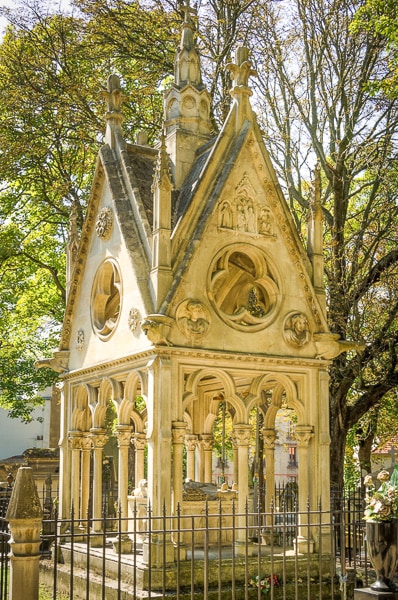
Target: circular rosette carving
x=193, y=319
x=296, y=329
x=106, y=299
x=244, y=287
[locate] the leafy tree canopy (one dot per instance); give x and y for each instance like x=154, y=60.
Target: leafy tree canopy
x=316, y=106
x=380, y=19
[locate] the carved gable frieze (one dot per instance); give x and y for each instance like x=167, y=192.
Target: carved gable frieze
x=245, y=213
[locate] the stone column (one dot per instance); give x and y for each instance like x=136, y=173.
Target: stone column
x=75, y=439
x=99, y=439
x=178, y=431
x=139, y=440
x=191, y=442
x=123, y=434
x=24, y=515
x=207, y=441
x=242, y=437
x=269, y=437
x=303, y=434
x=235, y=458
x=86, y=445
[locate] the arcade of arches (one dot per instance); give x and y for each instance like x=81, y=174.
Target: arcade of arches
x=165, y=409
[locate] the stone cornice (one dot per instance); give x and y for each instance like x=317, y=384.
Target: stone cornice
x=196, y=357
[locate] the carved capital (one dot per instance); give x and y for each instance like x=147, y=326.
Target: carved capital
x=269, y=437
x=75, y=439
x=139, y=441
x=123, y=434
x=191, y=442
x=178, y=431
x=242, y=435
x=99, y=437
x=86, y=443
x=303, y=434
x=207, y=441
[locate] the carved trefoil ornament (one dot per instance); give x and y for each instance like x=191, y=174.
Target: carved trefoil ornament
x=134, y=319
x=296, y=329
x=104, y=223
x=106, y=298
x=244, y=287
x=193, y=319
x=244, y=213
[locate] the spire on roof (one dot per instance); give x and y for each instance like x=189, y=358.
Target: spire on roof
x=187, y=62
x=186, y=104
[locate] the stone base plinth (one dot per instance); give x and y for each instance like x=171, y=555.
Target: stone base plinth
x=369, y=594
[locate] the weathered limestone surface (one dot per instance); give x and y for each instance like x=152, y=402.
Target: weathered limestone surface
x=191, y=289
x=24, y=515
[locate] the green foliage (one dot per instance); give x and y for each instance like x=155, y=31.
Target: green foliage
x=379, y=19
x=53, y=67
x=322, y=111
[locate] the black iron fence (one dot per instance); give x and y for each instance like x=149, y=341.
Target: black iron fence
x=4, y=543
x=207, y=552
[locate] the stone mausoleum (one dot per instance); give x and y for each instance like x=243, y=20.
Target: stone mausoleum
x=188, y=289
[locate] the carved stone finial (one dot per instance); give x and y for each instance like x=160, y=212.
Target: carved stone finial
x=241, y=69
x=162, y=170
x=187, y=63
x=113, y=97
x=113, y=93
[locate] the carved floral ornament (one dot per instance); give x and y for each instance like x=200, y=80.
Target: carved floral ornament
x=193, y=319
x=104, y=223
x=244, y=213
x=134, y=319
x=244, y=287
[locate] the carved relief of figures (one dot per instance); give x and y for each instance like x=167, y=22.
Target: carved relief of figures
x=297, y=329
x=226, y=215
x=193, y=319
x=244, y=213
x=265, y=222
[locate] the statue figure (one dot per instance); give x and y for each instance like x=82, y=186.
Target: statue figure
x=142, y=490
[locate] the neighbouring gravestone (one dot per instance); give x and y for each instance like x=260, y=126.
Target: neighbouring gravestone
x=24, y=515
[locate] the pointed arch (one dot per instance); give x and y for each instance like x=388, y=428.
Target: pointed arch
x=109, y=391
x=226, y=384
x=280, y=384
x=84, y=401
